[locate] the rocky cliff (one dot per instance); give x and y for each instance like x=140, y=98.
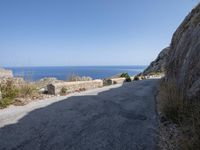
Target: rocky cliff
x=183, y=63
x=158, y=65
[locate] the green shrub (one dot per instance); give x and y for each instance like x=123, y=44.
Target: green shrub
x=5, y=102
x=9, y=92
x=63, y=91
x=126, y=75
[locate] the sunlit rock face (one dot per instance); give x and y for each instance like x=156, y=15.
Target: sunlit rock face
x=159, y=64
x=183, y=63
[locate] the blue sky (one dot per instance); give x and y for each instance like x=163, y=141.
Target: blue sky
x=87, y=32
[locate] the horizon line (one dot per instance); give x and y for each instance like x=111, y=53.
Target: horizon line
x=75, y=66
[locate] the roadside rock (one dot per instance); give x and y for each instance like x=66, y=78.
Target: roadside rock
x=42, y=84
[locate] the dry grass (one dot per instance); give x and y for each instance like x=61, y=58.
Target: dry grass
x=186, y=114
x=27, y=90
x=10, y=92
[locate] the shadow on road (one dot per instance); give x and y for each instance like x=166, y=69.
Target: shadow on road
x=120, y=118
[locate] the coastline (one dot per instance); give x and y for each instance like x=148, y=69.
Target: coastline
x=62, y=72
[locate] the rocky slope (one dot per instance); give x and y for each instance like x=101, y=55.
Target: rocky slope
x=158, y=65
x=183, y=63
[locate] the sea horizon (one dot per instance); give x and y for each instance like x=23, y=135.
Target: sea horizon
x=63, y=72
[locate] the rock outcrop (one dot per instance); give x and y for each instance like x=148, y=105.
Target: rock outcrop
x=183, y=63
x=158, y=65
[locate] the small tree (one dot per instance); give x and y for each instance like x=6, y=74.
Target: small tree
x=126, y=75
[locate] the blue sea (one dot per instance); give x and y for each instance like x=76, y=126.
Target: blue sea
x=62, y=73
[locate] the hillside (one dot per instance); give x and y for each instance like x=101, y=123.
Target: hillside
x=159, y=64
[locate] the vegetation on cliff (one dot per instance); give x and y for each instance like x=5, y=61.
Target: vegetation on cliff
x=180, y=89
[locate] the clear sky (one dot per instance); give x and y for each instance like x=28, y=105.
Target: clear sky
x=87, y=32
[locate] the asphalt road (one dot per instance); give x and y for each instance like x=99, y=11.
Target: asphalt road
x=110, y=118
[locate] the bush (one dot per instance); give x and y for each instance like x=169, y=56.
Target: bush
x=5, y=102
x=136, y=78
x=183, y=112
x=126, y=75
x=9, y=92
x=63, y=91
x=27, y=90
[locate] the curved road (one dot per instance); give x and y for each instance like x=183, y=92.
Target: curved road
x=109, y=118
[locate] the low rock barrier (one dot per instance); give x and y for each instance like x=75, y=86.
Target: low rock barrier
x=56, y=88
x=114, y=81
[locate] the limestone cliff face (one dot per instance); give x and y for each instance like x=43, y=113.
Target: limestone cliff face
x=183, y=63
x=158, y=65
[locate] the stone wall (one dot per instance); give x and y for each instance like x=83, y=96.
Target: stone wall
x=114, y=81
x=6, y=73
x=55, y=88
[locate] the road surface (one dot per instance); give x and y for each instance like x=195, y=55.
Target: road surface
x=110, y=118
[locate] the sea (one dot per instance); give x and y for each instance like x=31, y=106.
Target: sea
x=63, y=72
